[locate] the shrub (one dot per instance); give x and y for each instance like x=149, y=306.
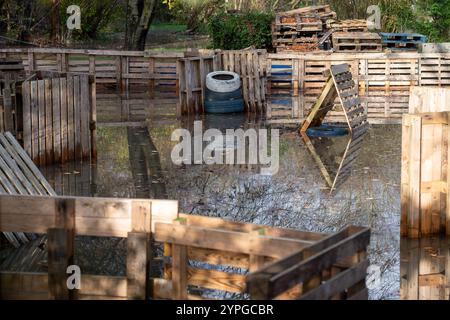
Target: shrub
x=242, y=30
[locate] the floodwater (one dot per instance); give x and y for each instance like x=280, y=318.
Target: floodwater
x=134, y=160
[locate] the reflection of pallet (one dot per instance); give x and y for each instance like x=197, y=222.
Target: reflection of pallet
x=348, y=25
x=357, y=42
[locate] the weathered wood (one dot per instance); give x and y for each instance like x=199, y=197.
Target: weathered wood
x=61, y=249
x=282, y=275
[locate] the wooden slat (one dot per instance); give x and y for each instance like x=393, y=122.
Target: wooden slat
x=227, y=240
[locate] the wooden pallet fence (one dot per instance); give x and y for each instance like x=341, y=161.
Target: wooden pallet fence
x=251, y=65
x=192, y=73
x=333, y=268
x=357, y=42
x=63, y=218
x=385, y=81
x=210, y=253
x=425, y=140
x=59, y=118
x=425, y=269
x=10, y=105
x=200, y=252
x=127, y=70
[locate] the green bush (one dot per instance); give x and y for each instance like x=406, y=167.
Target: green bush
x=239, y=31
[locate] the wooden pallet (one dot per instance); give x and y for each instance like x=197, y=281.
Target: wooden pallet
x=357, y=42
x=19, y=175
x=425, y=180
x=340, y=84
x=348, y=25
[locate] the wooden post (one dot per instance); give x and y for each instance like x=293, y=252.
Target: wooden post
x=414, y=221
x=179, y=269
x=61, y=249
x=139, y=251
x=447, y=222
x=93, y=118
x=256, y=261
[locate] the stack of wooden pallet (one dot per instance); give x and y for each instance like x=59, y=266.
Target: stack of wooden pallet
x=301, y=29
x=357, y=42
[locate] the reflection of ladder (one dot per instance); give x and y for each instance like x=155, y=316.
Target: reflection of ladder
x=340, y=84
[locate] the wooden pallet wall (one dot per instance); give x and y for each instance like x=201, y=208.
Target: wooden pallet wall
x=384, y=81
x=59, y=119
x=425, y=158
x=126, y=69
x=251, y=66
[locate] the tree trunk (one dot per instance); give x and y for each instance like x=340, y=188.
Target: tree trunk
x=139, y=23
x=56, y=23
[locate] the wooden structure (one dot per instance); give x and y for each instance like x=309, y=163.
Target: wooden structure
x=249, y=64
x=425, y=176
x=403, y=41
x=192, y=72
x=59, y=117
x=339, y=85
x=196, y=249
x=123, y=69
x=19, y=176
x=384, y=80
x=301, y=30
x=357, y=42
x=425, y=269
x=353, y=25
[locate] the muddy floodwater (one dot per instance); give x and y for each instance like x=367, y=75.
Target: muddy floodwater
x=134, y=160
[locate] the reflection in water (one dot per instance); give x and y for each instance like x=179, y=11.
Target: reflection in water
x=425, y=269
x=293, y=198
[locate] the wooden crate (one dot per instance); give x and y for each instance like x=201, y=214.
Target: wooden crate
x=200, y=253
x=357, y=42
x=425, y=176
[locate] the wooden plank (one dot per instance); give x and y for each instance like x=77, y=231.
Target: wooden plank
x=226, y=240
x=77, y=117
x=217, y=257
x=56, y=128
x=270, y=282
x=27, y=118
x=415, y=216
x=179, y=271
x=95, y=217
x=138, y=252
x=61, y=250
x=64, y=124
x=49, y=151
x=37, y=187
x=85, y=117
x=70, y=119
x=32, y=167
x=42, y=125
x=216, y=280
x=338, y=283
